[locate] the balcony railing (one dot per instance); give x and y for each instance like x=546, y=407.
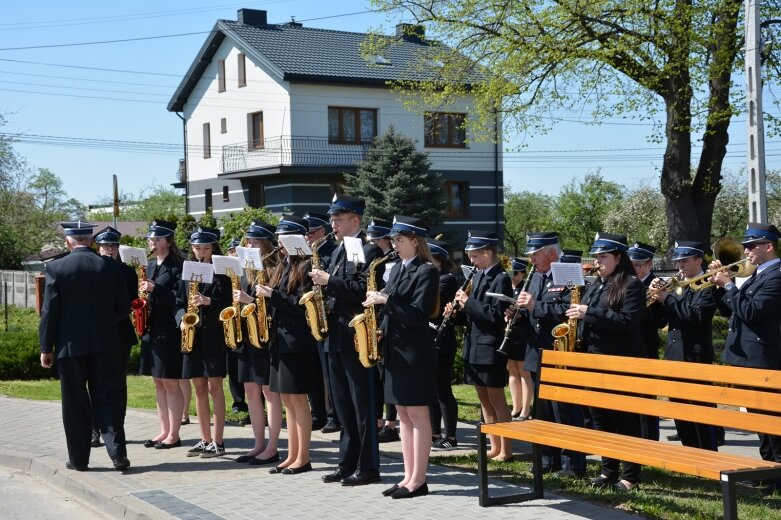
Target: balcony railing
x=291, y=151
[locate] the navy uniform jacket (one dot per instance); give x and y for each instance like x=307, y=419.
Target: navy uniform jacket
x=209, y=337
x=291, y=332
x=652, y=322
x=346, y=290
x=448, y=286
x=754, y=337
x=162, y=299
x=607, y=331
x=125, y=329
x=484, y=317
x=689, y=320
x=325, y=251
x=412, y=297
x=549, y=309
x=84, y=298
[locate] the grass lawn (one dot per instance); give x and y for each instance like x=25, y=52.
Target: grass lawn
x=662, y=495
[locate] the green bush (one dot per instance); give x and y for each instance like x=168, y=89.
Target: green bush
x=20, y=354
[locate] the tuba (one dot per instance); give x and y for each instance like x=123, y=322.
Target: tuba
x=367, y=334
x=314, y=300
x=231, y=317
x=565, y=335
x=140, y=305
x=191, y=319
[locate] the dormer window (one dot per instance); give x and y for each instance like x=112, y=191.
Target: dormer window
x=380, y=60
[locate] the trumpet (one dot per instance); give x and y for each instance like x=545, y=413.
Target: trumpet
x=740, y=269
x=674, y=283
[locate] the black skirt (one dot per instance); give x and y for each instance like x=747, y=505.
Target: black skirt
x=162, y=358
x=516, y=351
x=292, y=373
x=491, y=376
x=205, y=364
x=410, y=385
x=254, y=365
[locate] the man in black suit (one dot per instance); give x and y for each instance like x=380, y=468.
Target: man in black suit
x=754, y=337
x=84, y=298
x=352, y=384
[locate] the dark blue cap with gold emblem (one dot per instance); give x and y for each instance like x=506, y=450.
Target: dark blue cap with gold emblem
x=477, y=239
x=161, y=228
x=608, y=243
x=378, y=228
x=408, y=226
x=342, y=203
x=260, y=229
x=756, y=232
x=537, y=240
x=292, y=225
x=519, y=265
x=234, y=243
x=316, y=220
x=107, y=235
x=438, y=247
x=639, y=252
x=204, y=235
x=685, y=249
x=571, y=256
x=77, y=228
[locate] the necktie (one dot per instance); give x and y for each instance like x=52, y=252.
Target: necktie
x=543, y=285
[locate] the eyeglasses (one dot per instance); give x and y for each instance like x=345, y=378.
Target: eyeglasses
x=750, y=247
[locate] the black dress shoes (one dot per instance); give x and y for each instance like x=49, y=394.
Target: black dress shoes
x=331, y=427
x=361, y=478
x=403, y=492
x=295, y=471
x=254, y=461
x=163, y=446
x=70, y=465
x=121, y=463
x=388, y=492
x=336, y=476
x=95, y=439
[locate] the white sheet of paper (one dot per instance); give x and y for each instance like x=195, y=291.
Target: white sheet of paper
x=567, y=274
x=353, y=247
x=249, y=257
x=500, y=296
x=295, y=245
x=222, y=264
x=132, y=255
x=197, y=272
x=466, y=270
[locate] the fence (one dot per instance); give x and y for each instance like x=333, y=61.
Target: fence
x=17, y=291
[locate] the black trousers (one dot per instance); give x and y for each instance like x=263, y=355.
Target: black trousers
x=445, y=408
x=355, y=403
x=115, y=375
x=624, y=424
x=236, y=387
x=330, y=409
x=696, y=435
x=317, y=395
x=83, y=388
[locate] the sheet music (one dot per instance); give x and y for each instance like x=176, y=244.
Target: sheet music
x=353, y=248
x=295, y=245
x=249, y=257
x=197, y=272
x=132, y=255
x=567, y=274
x=227, y=265
x=500, y=296
x=466, y=270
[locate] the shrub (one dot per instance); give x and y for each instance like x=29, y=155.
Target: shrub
x=20, y=356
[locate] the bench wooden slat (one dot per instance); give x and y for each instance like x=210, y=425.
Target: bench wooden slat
x=737, y=376
x=727, y=418
x=752, y=399
x=642, y=451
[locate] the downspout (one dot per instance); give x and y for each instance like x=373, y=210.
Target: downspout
x=186, y=166
x=496, y=170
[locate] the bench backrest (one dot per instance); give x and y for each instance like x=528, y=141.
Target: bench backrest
x=635, y=385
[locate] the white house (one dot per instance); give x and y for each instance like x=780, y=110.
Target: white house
x=274, y=114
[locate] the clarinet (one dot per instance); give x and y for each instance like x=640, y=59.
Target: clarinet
x=511, y=322
x=455, y=306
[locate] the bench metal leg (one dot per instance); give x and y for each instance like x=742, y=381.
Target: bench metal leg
x=482, y=468
x=537, y=470
x=482, y=475
x=729, y=498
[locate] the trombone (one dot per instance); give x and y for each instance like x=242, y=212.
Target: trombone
x=727, y=251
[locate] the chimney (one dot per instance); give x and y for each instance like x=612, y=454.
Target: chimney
x=254, y=17
x=413, y=33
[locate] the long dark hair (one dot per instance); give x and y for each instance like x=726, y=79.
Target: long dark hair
x=619, y=280
x=173, y=249
x=298, y=277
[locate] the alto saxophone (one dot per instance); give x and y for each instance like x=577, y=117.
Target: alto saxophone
x=191, y=318
x=256, y=314
x=231, y=317
x=314, y=300
x=140, y=305
x=367, y=334
x=565, y=335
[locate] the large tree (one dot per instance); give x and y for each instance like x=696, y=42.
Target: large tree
x=582, y=207
x=525, y=212
x=672, y=59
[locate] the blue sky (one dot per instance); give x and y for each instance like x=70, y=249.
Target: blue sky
x=60, y=95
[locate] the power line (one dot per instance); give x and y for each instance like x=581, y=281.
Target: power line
x=92, y=68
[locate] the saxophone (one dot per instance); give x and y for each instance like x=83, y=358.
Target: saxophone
x=231, y=317
x=367, y=335
x=249, y=313
x=256, y=314
x=314, y=300
x=140, y=305
x=565, y=335
x=191, y=319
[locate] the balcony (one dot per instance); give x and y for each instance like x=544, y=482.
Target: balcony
x=291, y=151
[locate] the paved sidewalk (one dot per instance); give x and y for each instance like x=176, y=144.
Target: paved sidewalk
x=167, y=484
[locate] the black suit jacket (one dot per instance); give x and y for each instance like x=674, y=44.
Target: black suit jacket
x=608, y=331
x=754, y=337
x=84, y=298
x=689, y=318
x=291, y=332
x=346, y=290
x=162, y=300
x=549, y=309
x=485, y=317
x=412, y=296
x=209, y=337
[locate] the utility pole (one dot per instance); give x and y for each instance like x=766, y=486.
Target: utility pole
x=116, y=203
x=757, y=194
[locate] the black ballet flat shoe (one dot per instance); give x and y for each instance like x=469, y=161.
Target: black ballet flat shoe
x=163, y=446
x=244, y=458
x=149, y=443
x=388, y=492
x=254, y=461
x=276, y=469
x=403, y=492
x=72, y=466
x=620, y=487
x=295, y=471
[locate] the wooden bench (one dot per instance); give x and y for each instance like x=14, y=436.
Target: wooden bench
x=635, y=385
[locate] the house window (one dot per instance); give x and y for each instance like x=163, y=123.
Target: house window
x=207, y=141
x=221, y=76
x=223, y=125
x=225, y=194
x=351, y=125
x=456, y=193
x=242, y=65
x=444, y=129
x=207, y=204
x=257, y=195
x=255, y=131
